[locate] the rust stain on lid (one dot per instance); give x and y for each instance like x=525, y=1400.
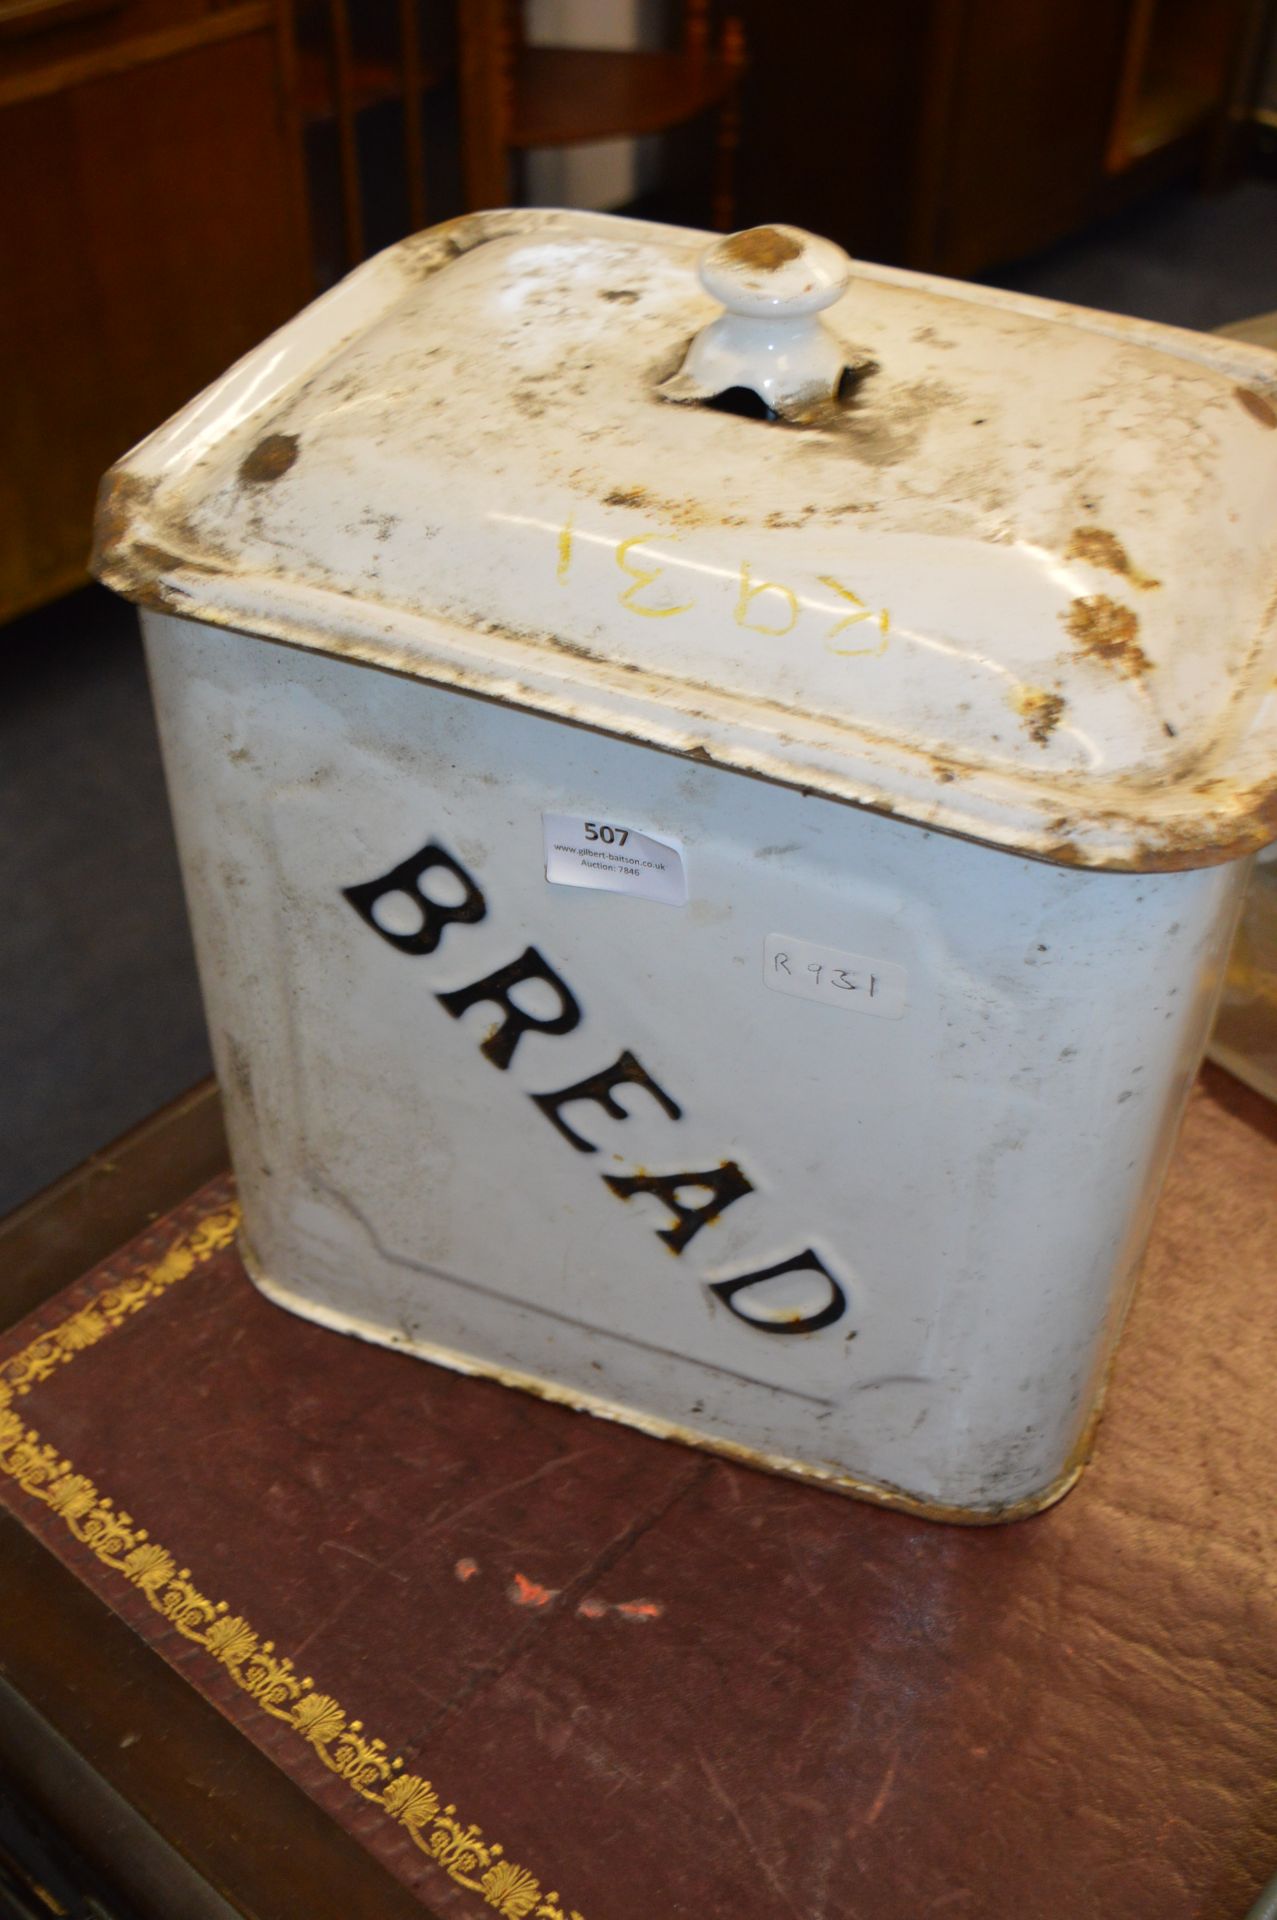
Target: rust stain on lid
x=1100, y=548
x=1105, y=630
x=269, y=460
x=1040, y=710
x=1256, y=406
x=760, y=247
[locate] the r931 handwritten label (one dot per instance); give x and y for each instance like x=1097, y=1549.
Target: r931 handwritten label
x=834, y=978
x=614, y=858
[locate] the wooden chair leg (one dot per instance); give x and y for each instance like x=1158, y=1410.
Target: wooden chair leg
x=413, y=110
x=485, y=58
x=290, y=93
x=727, y=140
x=347, y=133
x=696, y=27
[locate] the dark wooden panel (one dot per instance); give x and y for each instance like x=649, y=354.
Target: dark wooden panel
x=60, y=1233
x=245, y=1828
x=1030, y=124
x=954, y=134
x=154, y=230
x=831, y=116
x=44, y=1776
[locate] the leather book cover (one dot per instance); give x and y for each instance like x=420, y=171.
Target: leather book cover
x=548, y=1668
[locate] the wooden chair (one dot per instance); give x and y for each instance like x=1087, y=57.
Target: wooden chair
x=346, y=60
x=515, y=97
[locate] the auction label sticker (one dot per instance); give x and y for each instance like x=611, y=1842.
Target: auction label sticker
x=612, y=858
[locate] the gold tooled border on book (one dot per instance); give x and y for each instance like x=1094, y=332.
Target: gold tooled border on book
x=268, y=1677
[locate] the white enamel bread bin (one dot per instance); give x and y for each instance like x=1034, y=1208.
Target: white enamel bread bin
x=713, y=918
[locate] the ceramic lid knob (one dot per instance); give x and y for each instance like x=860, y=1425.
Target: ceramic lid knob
x=773, y=283
x=775, y=270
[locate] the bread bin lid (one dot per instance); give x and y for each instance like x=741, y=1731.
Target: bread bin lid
x=995, y=565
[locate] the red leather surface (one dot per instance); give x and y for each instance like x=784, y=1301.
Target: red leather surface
x=663, y=1686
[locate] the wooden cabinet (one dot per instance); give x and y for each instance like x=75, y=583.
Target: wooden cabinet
x=152, y=228
x=954, y=134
